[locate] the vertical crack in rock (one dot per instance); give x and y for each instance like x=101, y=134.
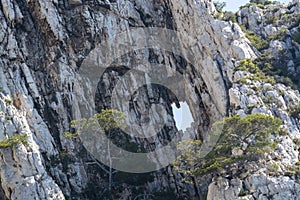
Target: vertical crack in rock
x=43, y=46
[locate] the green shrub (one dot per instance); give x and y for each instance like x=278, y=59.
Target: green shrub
x=244, y=80
x=297, y=141
x=296, y=37
x=219, y=6
x=280, y=35
x=257, y=1
x=287, y=81
x=242, y=193
x=247, y=65
x=229, y=16
x=295, y=21
x=258, y=42
x=291, y=6
x=272, y=19
x=108, y=120
x=70, y=135
x=275, y=10
x=276, y=67
x=273, y=169
x=235, y=132
x=14, y=139
x=8, y=117
x=9, y=101
x=269, y=2
x=283, y=132
x=294, y=170
x=258, y=74
x=247, y=5
x=294, y=111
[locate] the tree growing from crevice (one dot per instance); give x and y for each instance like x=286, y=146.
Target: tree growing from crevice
x=14, y=139
x=219, y=6
x=240, y=139
x=106, y=122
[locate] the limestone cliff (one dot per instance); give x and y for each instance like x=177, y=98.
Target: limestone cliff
x=43, y=46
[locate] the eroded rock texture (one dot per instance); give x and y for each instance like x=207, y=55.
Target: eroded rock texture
x=44, y=43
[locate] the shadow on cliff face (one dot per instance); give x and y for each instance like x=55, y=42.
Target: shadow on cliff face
x=148, y=94
x=142, y=81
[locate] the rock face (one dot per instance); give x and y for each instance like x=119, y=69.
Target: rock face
x=278, y=26
x=260, y=186
x=274, y=24
x=43, y=46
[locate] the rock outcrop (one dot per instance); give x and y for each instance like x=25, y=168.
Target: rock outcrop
x=274, y=177
x=43, y=46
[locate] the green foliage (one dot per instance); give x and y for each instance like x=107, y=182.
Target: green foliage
x=295, y=21
x=111, y=119
x=291, y=5
x=219, y=6
x=257, y=1
x=107, y=120
x=254, y=130
x=296, y=37
x=273, y=167
x=257, y=41
x=296, y=141
x=258, y=74
x=275, y=10
x=277, y=65
x=70, y=135
x=280, y=35
x=247, y=65
x=268, y=100
x=262, y=2
x=229, y=16
x=8, y=117
x=273, y=67
x=272, y=19
x=9, y=101
x=269, y=2
x=1, y=89
x=190, y=150
x=242, y=193
x=293, y=170
x=14, y=139
x=247, y=5
x=294, y=111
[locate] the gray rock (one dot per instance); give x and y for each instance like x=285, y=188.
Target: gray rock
x=40, y=59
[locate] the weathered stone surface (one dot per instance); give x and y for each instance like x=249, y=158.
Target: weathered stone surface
x=43, y=44
x=258, y=186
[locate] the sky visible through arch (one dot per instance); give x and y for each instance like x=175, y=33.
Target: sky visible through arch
x=233, y=5
x=182, y=116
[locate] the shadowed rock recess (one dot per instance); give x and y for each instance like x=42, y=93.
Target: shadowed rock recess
x=43, y=46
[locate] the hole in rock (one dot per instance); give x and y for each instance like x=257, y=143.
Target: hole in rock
x=182, y=115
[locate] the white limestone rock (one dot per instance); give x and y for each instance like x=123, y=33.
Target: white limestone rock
x=11, y=11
